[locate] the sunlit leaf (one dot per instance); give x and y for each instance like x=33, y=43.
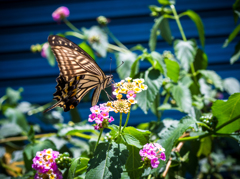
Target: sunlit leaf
x=185, y=51
x=231, y=85
x=225, y=111
x=236, y=54
x=172, y=69
x=87, y=49
x=232, y=36
x=205, y=146
x=153, y=36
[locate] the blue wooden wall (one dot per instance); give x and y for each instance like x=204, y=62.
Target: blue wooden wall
x=24, y=23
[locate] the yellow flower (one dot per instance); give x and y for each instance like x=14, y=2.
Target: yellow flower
x=128, y=79
x=119, y=96
x=143, y=87
x=130, y=86
x=123, y=90
x=121, y=106
x=137, y=90
x=132, y=100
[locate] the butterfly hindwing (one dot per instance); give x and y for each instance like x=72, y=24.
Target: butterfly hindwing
x=79, y=73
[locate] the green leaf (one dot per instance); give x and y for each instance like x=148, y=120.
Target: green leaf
x=232, y=36
x=155, y=105
x=185, y=51
x=153, y=36
x=133, y=163
x=50, y=56
x=225, y=111
x=75, y=116
x=153, y=79
x=205, y=146
x=198, y=22
x=182, y=96
x=170, y=135
x=173, y=69
x=186, y=81
x=76, y=129
x=13, y=95
x=214, y=78
x=166, y=2
x=165, y=31
x=87, y=49
x=231, y=85
x=236, y=10
x=157, y=62
x=15, y=116
x=31, y=149
x=128, y=58
x=31, y=135
x=201, y=60
x=82, y=167
x=135, y=67
x=72, y=169
x=108, y=161
x=10, y=129
x=236, y=54
x=164, y=107
x=136, y=137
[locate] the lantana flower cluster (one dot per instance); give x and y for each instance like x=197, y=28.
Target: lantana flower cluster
x=130, y=88
x=100, y=114
x=151, y=153
x=45, y=165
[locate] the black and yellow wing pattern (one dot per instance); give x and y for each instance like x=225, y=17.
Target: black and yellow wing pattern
x=79, y=73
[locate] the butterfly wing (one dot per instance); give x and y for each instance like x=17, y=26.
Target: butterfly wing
x=79, y=73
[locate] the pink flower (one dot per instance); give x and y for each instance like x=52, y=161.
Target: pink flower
x=163, y=156
x=154, y=163
x=111, y=119
x=95, y=109
x=92, y=117
x=44, y=50
x=105, y=114
x=96, y=127
x=131, y=94
x=60, y=13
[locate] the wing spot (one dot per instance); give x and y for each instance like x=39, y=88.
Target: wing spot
x=60, y=41
x=70, y=44
x=53, y=38
x=76, y=49
x=65, y=43
x=82, y=52
x=53, y=42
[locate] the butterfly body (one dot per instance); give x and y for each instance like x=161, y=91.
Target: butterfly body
x=79, y=73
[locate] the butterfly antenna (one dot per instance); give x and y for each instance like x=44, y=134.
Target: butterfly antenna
x=120, y=64
x=55, y=105
x=111, y=66
x=108, y=96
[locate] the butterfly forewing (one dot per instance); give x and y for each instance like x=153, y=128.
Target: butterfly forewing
x=79, y=73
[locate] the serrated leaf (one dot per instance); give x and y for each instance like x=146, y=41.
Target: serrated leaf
x=165, y=31
x=15, y=116
x=10, y=129
x=153, y=79
x=170, y=135
x=232, y=36
x=198, y=22
x=205, y=146
x=214, y=77
x=201, y=60
x=87, y=49
x=225, y=111
x=31, y=149
x=153, y=36
x=185, y=51
x=157, y=62
x=108, y=161
x=128, y=58
x=173, y=69
x=236, y=54
x=13, y=95
x=182, y=96
x=135, y=67
x=231, y=85
x=136, y=137
x=133, y=163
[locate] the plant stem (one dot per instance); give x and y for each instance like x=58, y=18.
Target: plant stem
x=11, y=139
x=226, y=123
x=126, y=122
x=114, y=38
x=166, y=98
x=116, y=48
x=101, y=130
x=71, y=26
x=39, y=109
x=120, y=124
x=194, y=137
x=149, y=176
x=178, y=22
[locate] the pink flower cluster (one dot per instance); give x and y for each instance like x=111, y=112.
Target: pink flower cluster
x=100, y=115
x=153, y=152
x=44, y=50
x=60, y=13
x=45, y=165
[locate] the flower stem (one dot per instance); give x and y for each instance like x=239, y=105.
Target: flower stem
x=178, y=22
x=101, y=130
x=115, y=39
x=116, y=48
x=120, y=124
x=194, y=137
x=71, y=26
x=126, y=122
